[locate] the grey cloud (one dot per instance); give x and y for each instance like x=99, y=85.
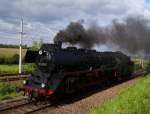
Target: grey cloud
x=49, y=10
x=52, y=13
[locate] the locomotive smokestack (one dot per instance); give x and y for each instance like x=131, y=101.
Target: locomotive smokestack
x=58, y=43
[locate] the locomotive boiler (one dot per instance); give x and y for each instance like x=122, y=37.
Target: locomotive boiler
x=69, y=69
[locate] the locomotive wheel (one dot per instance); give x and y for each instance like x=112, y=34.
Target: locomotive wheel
x=30, y=97
x=33, y=96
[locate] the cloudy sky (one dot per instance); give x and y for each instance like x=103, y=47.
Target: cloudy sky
x=44, y=18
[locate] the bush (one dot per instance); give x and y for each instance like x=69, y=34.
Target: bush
x=8, y=89
x=148, y=67
x=15, y=59
x=137, y=67
x=10, y=60
x=2, y=60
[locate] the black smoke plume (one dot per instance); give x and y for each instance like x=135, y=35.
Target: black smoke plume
x=75, y=33
x=132, y=35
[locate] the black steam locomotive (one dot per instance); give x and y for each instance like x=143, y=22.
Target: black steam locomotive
x=69, y=69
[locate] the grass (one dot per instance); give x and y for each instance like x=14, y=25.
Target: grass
x=13, y=69
x=8, y=89
x=9, y=52
x=134, y=100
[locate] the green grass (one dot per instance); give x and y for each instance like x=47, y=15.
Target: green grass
x=134, y=100
x=13, y=69
x=8, y=89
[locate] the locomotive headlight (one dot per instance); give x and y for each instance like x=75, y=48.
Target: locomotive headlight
x=42, y=85
x=24, y=81
x=40, y=52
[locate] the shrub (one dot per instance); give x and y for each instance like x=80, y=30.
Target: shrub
x=137, y=67
x=7, y=89
x=2, y=60
x=148, y=67
x=15, y=59
x=10, y=60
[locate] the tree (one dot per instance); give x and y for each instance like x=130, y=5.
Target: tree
x=37, y=44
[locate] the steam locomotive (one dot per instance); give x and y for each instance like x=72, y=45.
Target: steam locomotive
x=69, y=69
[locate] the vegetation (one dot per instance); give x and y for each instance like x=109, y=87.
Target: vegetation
x=13, y=69
x=9, y=58
x=137, y=64
x=9, y=52
x=10, y=55
x=12, y=46
x=148, y=67
x=8, y=89
x=134, y=100
x=36, y=44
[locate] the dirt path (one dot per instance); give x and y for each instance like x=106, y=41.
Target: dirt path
x=84, y=105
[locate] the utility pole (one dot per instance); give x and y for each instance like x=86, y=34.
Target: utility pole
x=142, y=63
x=20, y=48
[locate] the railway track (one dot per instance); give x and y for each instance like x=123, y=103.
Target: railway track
x=139, y=73
x=13, y=77
x=22, y=106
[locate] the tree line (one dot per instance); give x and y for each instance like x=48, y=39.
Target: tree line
x=12, y=46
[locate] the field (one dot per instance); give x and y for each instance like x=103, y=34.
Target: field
x=11, y=55
x=134, y=100
x=9, y=52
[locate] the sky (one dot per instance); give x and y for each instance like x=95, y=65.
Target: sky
x=147, y=9
x=44, y=18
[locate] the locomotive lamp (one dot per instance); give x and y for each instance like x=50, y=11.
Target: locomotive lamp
x=24, y=81
x=40, y=52
x=42, y=85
